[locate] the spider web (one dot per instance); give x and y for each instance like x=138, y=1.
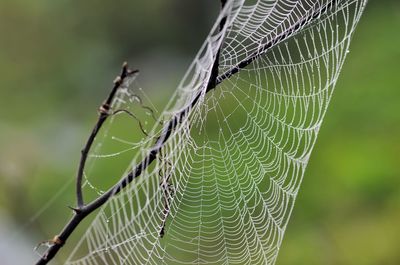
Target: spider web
x=225, y=183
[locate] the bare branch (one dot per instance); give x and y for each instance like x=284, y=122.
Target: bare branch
x=80, y=212
x=84, y=210
x=214, y=70
x=104, y=112
x=304, y=21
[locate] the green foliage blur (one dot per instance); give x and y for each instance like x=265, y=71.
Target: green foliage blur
x=57, y=63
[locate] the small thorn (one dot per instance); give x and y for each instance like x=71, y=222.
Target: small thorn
x=76, y=210
x=131, y=72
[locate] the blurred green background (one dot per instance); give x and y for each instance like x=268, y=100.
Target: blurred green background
x=57, y=61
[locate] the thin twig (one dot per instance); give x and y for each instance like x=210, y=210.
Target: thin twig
x=80, y=212
x=304, y=21
x=215, y=68
x=104, y=112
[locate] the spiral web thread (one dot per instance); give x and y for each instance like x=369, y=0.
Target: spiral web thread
x=227, y=178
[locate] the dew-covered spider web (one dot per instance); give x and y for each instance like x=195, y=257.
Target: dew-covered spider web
x=223, y=187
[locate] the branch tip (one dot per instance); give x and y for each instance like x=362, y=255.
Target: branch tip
x=118, y=80
x=131, y=72
x=124, y=70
